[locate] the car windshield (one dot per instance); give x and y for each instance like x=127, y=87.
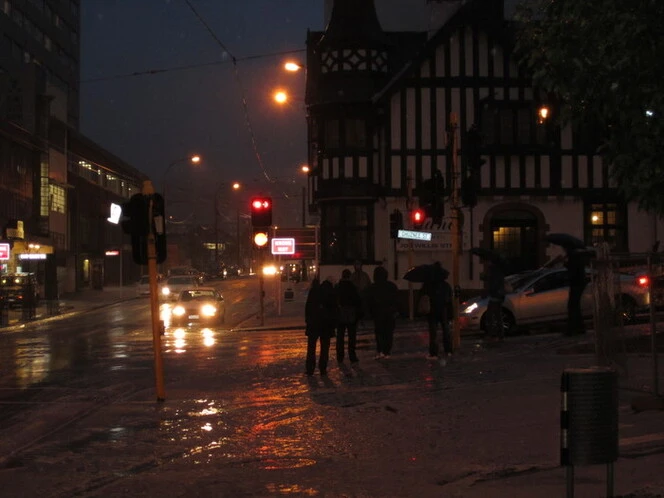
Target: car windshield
x=180, y=281
x=196, y=294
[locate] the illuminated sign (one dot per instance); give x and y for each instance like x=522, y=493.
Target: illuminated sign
x=410, y=234
x=112, y=253
x=32, y=256
x=283, y=246
x=4, y=251
x=116, y=213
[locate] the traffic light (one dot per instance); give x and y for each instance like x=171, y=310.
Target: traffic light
x=470, y=177
x=396, y=223
x=417, y=217
x=261, y=211
x=261, y=239
x=142, y=215
x=431, y=194
x=159, y=226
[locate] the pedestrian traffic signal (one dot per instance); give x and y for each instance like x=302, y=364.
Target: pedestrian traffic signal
x=159, y=226
x=417, y=216
x=261, y=211
x=135, y=219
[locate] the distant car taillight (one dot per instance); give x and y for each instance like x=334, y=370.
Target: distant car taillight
x=643, y=281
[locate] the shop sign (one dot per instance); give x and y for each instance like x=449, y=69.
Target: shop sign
x=4, y=251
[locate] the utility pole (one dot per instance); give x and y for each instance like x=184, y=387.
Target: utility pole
x=157, y=324
x=409, y=204
x=452, y=142
x=238, y=241
x=216, y=231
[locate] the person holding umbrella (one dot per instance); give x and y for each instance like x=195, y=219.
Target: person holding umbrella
x=439, y=292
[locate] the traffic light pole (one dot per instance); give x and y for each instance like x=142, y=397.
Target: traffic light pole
x=409, y=201
x=157, y=325
x=456, y=229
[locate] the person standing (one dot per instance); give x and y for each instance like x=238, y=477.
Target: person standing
x=439, y=292
x=577, y=260
x=362, y=281
x=319, y=315
x=495, y=281
x=383, y=303
x=350, y=306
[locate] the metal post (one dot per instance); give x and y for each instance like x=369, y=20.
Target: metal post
x=216, y=231
x=303, y=262
x=409, y=204
x=456, y=229
x=569, y=478
x=609, y=480
x=238, y=240
x=653, y=332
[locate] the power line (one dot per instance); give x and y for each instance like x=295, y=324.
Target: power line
x=149, y=72
x=245, y=106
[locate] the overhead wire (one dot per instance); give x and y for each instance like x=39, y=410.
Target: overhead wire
x=149, y=72
x=245, y=105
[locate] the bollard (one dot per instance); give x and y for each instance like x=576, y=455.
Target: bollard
x=589, y=421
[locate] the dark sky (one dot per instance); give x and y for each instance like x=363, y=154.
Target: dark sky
x=152, y=120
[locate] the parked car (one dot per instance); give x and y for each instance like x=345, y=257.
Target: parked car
x=143, y=286
x=540, y=297
x=174, y=285
x=198, y=304
x=15, y=288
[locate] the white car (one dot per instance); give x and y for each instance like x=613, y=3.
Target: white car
x=204, y=305
x=172, y=287
x=143, y=286
x=540, y=297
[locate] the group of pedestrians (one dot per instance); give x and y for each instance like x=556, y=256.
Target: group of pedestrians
x=336, y=310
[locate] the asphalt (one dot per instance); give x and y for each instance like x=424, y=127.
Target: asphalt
x=641, y=441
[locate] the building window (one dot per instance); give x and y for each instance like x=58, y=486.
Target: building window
x=606, y=222
x=356, y=133
x=511, y=123
x=331, y=134
x=58, y=199
x=346, y=233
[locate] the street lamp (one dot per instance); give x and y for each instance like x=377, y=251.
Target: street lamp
x=195, y=159
x=235, y=186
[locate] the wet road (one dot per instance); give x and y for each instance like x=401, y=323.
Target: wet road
x=78, y=413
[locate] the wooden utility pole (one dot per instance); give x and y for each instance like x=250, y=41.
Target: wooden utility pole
x=409, y=204
x=453, y=143
x=157, y=324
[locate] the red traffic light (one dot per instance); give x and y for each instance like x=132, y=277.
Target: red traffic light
x=259, y=204
x=261, y=211
x=417, y=216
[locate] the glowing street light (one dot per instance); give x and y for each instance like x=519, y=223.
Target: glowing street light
x=292, y=66
x=543, y=114
x=305, y=168
x=280, y=97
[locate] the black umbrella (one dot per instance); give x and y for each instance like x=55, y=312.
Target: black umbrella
x=488, y=254
x=566, y=241
x=426, y=273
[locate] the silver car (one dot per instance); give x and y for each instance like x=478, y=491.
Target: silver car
x=540, y=297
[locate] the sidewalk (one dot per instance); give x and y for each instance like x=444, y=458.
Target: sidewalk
x=69, y=304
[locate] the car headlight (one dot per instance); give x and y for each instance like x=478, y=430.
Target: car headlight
x=470, y=309
x=165, y=291
x=178, y=311
x=208, y=310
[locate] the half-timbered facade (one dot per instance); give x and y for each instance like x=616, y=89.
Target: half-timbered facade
x=379, y=111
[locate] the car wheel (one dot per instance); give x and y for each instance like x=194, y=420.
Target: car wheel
x=507, y=320
x=628, y=309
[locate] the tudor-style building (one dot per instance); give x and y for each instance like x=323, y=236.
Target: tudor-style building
x=379, y=106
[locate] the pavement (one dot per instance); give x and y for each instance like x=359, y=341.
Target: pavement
x=641, y=433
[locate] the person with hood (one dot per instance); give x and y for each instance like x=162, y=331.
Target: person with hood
x=362, y=281
x=320, y=319
x=350, y=307
x=439, y=292
x=383, y=304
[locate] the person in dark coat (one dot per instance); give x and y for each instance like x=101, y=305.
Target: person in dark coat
x=495, y=281
x=350, y=307
x=576, y=269
x=383, y=303
x=439, y=292
x=320, y=318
